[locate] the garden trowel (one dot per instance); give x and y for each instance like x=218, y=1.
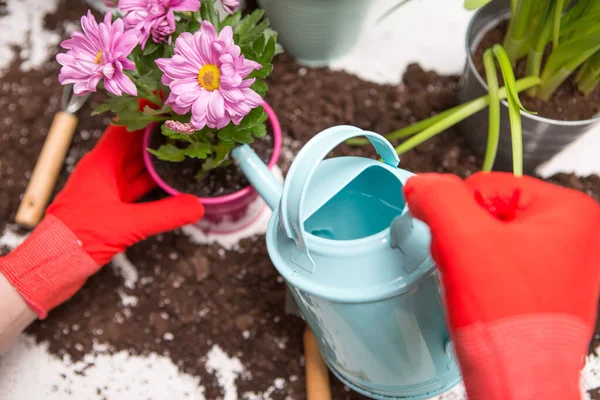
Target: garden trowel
x=317, y=374
x=50, y=161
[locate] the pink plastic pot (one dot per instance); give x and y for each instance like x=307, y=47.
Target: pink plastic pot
x=235, y=211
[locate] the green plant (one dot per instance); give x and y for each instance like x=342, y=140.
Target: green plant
x=421, y=131
x=572, y=29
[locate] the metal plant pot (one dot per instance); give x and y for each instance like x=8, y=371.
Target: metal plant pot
x=542, y=137
x=316, y=31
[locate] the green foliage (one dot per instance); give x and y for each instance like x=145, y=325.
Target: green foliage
x=570, y=25
x=169, y=152
x=475, y=4
x=252, y=126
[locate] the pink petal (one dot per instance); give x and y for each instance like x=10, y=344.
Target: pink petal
x=226, y=34
x=124, y=83
x=216, y=106
x=227, y=69
x=108, y=71
x=200, y=106
x=181, y=86
x=232, y=95
x=206, y=28
x=185, y=5
x=229, y=82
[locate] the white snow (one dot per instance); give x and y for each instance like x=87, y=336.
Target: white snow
x=126, y=269
x=226, y=369
x=10, y=238
x=29, y=373
x=23, y=27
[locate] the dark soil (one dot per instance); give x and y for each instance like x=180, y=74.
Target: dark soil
x=566, y=104
x=219, y=181
x=204, y=295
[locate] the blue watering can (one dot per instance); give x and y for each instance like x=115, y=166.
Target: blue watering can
x=358, y=266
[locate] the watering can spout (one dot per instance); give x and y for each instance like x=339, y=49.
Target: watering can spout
x=258, y=174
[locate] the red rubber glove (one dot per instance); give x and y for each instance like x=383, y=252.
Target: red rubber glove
x=520, y=266
x=93, y=218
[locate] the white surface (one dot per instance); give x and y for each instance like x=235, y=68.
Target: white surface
x=27, y=372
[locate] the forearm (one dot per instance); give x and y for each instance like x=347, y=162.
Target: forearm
x=15, y=315
x=523, y=357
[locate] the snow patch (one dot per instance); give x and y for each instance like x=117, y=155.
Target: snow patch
x=10, y=238
x=226, y=369
x=126, y=300
x=23, y=27
x=278, y=384
x=126, y=269
x=29, y=372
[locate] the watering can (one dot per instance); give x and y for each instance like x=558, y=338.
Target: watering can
x=358, y=266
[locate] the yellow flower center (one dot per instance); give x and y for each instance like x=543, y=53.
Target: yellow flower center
x=98, y=59
x=208, y=77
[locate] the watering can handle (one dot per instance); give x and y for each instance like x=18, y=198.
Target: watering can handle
x=302, y=170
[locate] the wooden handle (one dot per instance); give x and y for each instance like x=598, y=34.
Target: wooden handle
x=317, y=374
x=46, y=170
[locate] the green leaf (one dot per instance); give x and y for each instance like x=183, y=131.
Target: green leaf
x=248, y=22
x=115, y=103
x=150, y=48
x=494, y=110
x=171, y=134
x=508, y=75
x=198, y=150
x=169, y=152
x=209, y=13
x=259, y=131
x=160, y=111
x=232, y=20
x=475, y=4
x=260, y=87
x=558, y=12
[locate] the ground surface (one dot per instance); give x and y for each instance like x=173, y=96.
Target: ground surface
x=176, y=316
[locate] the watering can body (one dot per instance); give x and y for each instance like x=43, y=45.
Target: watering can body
x=358, y=267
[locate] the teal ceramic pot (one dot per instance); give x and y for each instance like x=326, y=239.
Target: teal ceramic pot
x=316, y=32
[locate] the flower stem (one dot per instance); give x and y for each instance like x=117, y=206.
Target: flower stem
x=460, y=113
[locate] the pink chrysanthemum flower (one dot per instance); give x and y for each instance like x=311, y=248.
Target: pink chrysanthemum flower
x=99, y=52
x=230, y=5
x=154, y=17
x=206, y=75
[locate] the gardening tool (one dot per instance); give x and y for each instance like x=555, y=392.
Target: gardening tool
x=358, y=266
x=317, y=374
x=50, y=161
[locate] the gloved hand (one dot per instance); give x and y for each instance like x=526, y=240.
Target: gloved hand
x=93, y=218
x=520, y=267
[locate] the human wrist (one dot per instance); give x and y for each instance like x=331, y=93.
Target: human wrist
x=531, y=356
x=49, y=267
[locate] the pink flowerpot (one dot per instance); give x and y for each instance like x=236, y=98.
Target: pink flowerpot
x=232, y=212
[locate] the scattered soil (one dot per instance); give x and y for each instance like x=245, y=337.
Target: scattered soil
x=566, y=104
x=191, y=297
x=218, y=182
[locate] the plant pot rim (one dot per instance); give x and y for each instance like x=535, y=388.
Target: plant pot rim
x=277, y=143
x=482, y=82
